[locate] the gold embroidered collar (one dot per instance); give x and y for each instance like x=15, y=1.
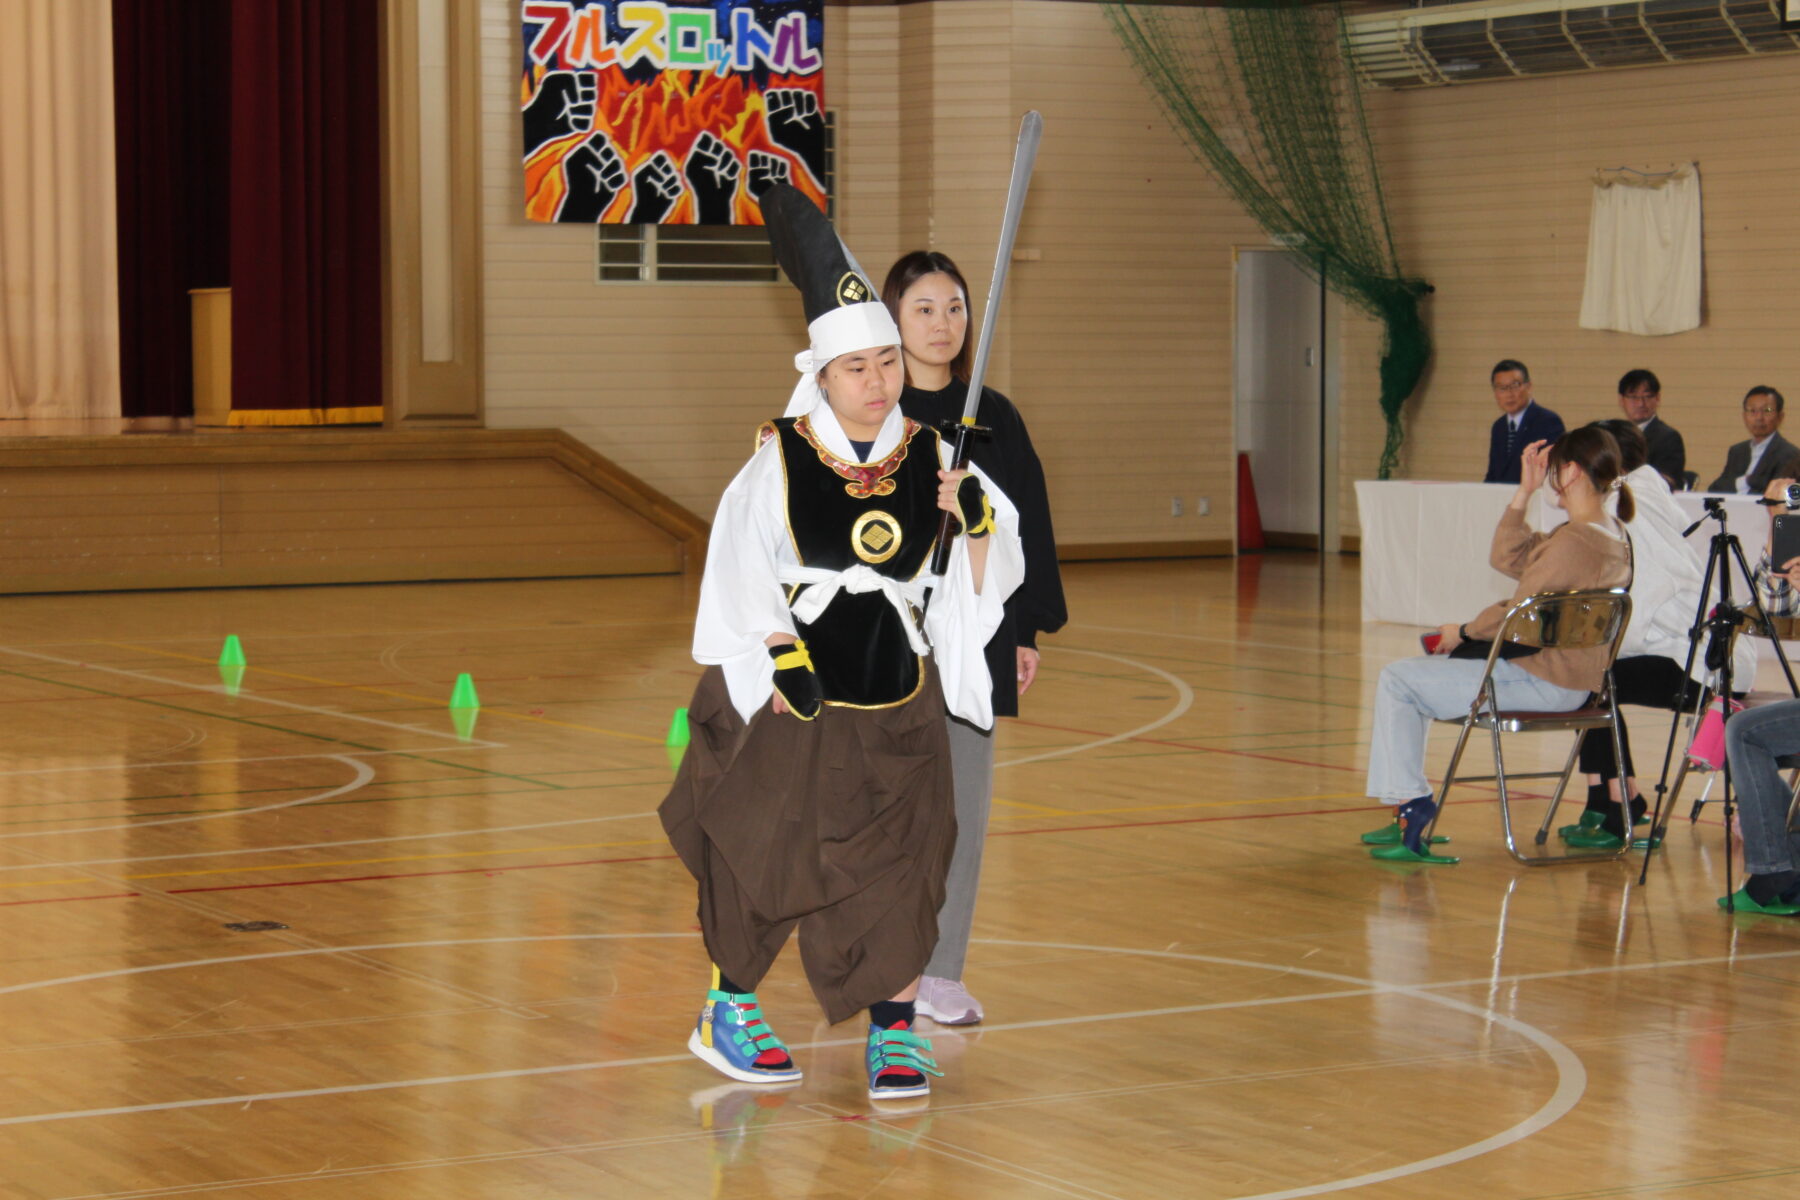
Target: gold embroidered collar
x=865, y=480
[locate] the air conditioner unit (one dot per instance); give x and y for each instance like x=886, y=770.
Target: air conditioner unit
x=1463, y=43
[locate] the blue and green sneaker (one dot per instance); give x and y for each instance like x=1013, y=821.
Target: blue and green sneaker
x=900, y=1063
x=732, y=1038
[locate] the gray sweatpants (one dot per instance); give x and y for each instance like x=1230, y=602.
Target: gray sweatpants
x=972, y=763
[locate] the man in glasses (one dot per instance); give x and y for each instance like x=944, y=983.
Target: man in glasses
x=1522, y=421
x=1750, y=465
x=1640, y=395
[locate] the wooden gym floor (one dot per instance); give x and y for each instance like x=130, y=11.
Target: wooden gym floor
x=485, y=967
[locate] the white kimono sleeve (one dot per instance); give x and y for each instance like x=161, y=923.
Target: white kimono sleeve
x=741, y=599
x=960, y=621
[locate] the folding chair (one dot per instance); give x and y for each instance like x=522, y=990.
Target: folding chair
x=1549, y=621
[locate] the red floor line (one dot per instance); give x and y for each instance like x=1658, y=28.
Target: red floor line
x=71, y=899
x=590, y=862
x=586, y=862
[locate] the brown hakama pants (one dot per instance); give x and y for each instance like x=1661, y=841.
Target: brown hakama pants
x=842, y=826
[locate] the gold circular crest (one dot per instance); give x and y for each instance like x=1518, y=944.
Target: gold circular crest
x=854, y=289
x=875, y=537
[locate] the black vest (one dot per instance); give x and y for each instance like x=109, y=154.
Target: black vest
x=882, y=515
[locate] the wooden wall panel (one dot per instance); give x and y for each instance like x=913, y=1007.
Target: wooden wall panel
x=291, y=507
x=1489, y=186
x=1115, y=342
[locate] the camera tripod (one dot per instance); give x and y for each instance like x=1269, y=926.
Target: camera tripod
x=1718, y=623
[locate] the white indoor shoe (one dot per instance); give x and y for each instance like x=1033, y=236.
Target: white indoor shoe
x=947, y=1002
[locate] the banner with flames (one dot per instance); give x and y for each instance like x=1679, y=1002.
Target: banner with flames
x=670, y=114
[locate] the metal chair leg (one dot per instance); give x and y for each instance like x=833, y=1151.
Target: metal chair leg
x=1562, y=785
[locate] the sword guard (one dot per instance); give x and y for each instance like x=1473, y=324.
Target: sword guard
x=949, y=425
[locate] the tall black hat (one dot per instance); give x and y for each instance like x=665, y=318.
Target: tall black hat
x=843, y=310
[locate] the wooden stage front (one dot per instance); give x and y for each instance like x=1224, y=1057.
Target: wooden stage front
x=92, y=511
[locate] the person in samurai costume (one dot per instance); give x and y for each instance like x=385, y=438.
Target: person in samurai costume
x=816, y=792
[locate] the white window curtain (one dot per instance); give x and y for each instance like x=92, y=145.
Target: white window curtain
x=59, y=264
x=1643, y=266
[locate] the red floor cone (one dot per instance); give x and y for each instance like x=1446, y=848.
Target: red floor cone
x=1250, y=530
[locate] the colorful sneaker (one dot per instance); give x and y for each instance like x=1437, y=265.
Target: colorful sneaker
x=900, y=1064
x=947, y=1002
x=732, y=1038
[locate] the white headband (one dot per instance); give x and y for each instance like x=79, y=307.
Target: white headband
x=838, y=332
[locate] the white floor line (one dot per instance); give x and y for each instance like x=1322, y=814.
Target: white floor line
x=255, y=758
x=221, y=690
x=1311, y=651
x=363, y=771
x=1184, y=700
x=399, y=837
x=1571, y=1075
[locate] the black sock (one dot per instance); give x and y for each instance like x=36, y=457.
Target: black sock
x=1639, y=807
x=1766, y=888
x=732, y=989
x=1597, y=797
x=889, y=1013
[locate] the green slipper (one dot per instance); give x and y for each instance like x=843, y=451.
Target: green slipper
x=1741, y=902
x=1646, y=843
x=1594, y=839
x=1400, y=854
x=1590, y=819
x=1389, y=835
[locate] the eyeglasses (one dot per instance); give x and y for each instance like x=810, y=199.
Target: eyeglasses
x=1760, y=412
x=1514, y=386
x=1642, y=395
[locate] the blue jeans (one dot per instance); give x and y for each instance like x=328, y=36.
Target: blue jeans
x=1415, y=691
x=1754, y=739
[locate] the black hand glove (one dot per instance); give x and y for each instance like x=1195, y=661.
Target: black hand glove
x=973, y=509
x=795, y=682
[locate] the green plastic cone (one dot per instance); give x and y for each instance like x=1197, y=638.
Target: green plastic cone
x=232, y=655
x=464, y=721
x=232, y=676
x=676, y=754
x=678, y=729
x=463, y=694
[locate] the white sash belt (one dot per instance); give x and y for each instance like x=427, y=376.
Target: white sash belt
x=904, y=595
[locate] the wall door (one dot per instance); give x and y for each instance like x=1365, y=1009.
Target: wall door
x=1278, y=367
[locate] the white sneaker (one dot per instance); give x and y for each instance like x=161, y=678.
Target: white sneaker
x=947, y=1002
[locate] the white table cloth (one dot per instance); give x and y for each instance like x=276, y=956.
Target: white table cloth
x=1425, y=545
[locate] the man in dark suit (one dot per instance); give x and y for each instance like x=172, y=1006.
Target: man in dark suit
x=1522, y=421
x=1749, y=466
x=1640, y=395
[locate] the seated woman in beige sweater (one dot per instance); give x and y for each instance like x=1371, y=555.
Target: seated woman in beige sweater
x=1590, y=551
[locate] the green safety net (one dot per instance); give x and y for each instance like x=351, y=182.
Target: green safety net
x=1264, y=96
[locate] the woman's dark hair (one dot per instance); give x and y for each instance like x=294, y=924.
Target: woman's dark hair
x=1597, y=453
x=1634, y=452
x=908, y=270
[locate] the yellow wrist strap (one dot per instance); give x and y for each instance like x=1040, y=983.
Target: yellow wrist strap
x=986, y=525
x=796, y=656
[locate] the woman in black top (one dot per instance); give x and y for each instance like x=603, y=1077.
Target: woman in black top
x=929, y=299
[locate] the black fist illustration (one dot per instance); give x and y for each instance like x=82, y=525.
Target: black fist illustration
x=766, y=170
x=797, y=125
x=712, y=171
x=594, y=175
x=564, y=104
x=655, y=187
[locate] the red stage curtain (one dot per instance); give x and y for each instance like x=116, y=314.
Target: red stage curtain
x=305, y=212
x=171, y=76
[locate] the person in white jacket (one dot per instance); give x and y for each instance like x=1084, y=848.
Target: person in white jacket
x=1667, y=573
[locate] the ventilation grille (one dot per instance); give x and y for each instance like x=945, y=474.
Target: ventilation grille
x=1464, y=43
